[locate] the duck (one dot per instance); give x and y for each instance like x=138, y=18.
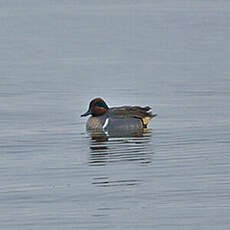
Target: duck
x=117, y=121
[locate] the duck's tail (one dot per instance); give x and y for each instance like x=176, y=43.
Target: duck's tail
x=146, y=115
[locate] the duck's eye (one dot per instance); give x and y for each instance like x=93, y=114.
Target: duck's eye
x=101, y=104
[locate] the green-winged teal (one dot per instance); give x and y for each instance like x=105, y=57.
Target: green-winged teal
x=117, y=121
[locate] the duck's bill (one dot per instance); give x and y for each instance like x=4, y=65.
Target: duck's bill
x=86, y=114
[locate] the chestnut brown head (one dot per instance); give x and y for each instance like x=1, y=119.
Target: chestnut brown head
x=97, y=107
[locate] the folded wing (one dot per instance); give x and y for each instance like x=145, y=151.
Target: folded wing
x=142, y=113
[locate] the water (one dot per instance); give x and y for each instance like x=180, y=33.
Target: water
x=58, y=55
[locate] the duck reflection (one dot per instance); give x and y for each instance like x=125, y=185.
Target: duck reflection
x=106, y=150
x=106, y=182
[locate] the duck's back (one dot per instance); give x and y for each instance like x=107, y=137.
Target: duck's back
x=137, y=112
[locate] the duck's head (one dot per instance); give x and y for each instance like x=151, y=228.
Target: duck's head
x=97, y=107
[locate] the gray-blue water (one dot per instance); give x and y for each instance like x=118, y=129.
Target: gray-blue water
x=55, y=56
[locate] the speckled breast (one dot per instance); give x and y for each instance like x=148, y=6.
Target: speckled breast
x=95, y=123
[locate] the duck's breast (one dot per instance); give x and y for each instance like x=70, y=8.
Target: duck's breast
x=95, y=123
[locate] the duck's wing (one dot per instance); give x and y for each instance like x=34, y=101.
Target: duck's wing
x=142, y=113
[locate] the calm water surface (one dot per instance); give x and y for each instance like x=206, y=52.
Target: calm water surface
x=171, y=55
